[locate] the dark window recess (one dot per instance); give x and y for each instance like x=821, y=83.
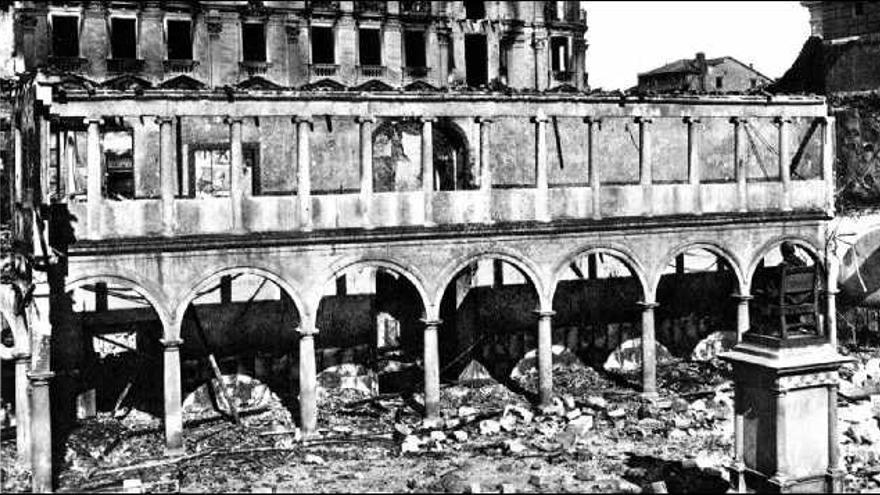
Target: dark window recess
x=559, y=52
x=719, y=82
x=65, y=36
x=179, y=40
x=474, y=9
x=253, y=42
x=370, y=47
x=859, y=8
x=414, y=49
x=323, y=46
x=118, y=147
x=754, y=83
x=476, y=60
x=123, y=38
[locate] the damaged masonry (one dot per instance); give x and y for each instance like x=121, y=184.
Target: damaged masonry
x=254, y=241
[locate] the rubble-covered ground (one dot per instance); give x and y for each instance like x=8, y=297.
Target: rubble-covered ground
x=600, y=435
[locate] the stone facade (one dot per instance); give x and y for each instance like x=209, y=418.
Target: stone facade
x=834, y=21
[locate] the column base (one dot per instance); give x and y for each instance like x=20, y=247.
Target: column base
x=174, y=452
x=651, y=395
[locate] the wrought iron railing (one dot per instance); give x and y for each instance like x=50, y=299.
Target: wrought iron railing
x=324, y=70
x=125, y=64
x=372, y=70
x=69, y=64
x=418, y=71
x=180, y=65
x=253, y=67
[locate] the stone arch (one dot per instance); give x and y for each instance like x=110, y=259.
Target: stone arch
x=716, y=249
x=619, y=252
x=411, y=273
x=812, y=247
x=453, y=161
x=523, y=264
x=215, y=277
x=147, y=289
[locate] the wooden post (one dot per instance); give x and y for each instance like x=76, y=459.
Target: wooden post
x=694, y=171
x=485, y=168
x=95, y=180
x=595, y=191
x=645, y=165
x=542, y=190
x=236, y=193
x=784, y=155
x=828, y=162
x=739, y=164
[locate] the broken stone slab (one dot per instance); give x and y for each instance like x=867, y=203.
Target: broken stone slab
x=656, y=487
x=628, y=356
x=348, y=376
x=411, y=443
x=514, y=446
x=573, y=414
x=581, y=425
x=507, y=488
x=538, y=481
x=489, y=427
x=596, y=402
x=432, y=423
x=520, y=412
x=467, y=412
x=568, y=402
x=507, y=423
x=460, y=436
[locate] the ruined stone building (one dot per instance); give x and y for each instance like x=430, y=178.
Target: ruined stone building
x=405, y=186
x=699, y=74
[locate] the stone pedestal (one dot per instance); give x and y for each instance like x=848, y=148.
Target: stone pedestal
x=785, y=417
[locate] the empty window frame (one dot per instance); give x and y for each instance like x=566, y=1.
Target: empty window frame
x=118, y=146
x=179, y=38
x=474, y=9
x=370, y=46
x=414, y=49
x=211, y=168
x=858, y=9
x=65, y=36
x=253, y=42
x=323, y=45
x=719, y=82
x=559, y=52
x=123, y=38
x=753, y=82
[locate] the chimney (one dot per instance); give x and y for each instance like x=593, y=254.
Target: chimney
x=700, y=62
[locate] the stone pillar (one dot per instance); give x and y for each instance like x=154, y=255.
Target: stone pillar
x=173, y=400
x=828, y=162
x=167, y=172
x=303, y=173
x=835, y=471
x=779, y=407
x=739, y=164
x=432, y=369
x=236, y=159
x=45, y=161
x=738, y=482
x=18, y=193
x=545, y=356
x=41, y=432
x=784, y=154
x=95, y=179
x=833, y=269
x=694, y=172
x=428, y=167
x=485, y=168
x=308, y=399
x=595, y=189
x=366, y=196
x=542, y=188
x=539, y=44
x=742, y=315
x=443, y=39
x=22, y=407
x=649, y=350
x=645, y=165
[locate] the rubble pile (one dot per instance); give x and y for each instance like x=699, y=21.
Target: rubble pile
x=858, y=418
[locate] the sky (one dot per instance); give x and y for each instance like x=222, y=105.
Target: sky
x=626, y=38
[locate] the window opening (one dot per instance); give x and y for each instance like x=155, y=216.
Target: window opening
x=476, y=59
x=65, y=36
x=414, y=49
x=253, y=38
x=370, y=47
x=179, y=40
x=123, y=38
x=474, y=9
x=323, y=46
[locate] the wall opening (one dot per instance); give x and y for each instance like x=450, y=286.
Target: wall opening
x=559, y=51
x=123, y=38
x=117, y=141
x=475, y=9
x=253, y=42
x=65, y=36
x=179, y=40
x=323, y=45
x=476, y=60
x=414, y=49
x=370, y=47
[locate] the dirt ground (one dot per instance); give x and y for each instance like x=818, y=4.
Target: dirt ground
x=599, y=436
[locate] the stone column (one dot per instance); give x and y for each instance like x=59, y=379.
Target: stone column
x=784, y=154
x=443, y=39
x=542, y=188
x=236, y=159
x=303, y=173
x=833, y=269
x=308, y=400
x=45, y=161
x=739, y=164
x=18, y=193
x=742, y=315
x=780, y=412
x=694, y=171
x=646, y=172
x=545, y=356
x=173, y=400
x=41, y=432
x=649, y=350
x=485, y=168
x=95, y=179
x=835, y=471
x=428, y=167
x=828, y=161
x=739, y=464
x=595, y=189
x=22, y=407
x=366, y=196
x=167, y=172
x=432, y=369
x=539, y=44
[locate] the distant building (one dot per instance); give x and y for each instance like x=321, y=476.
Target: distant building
x=835, y=21
x=699, y=74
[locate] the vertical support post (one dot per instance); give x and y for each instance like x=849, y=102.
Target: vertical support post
x=443, y=39
x=22, y=407
x=828, y=162
x=45, y=162
x=366, y=193
x=235, y=173
x=308, y=399
x=649, y=350
x=59, y=156
x=545, y=356
x=834, y=469
x=428, y=167
x=432, y=369
x=70, y=161
x=645, y=165
x=542, y=190
x=784, y=161
x=18, y=192
x=95, y=180
x=167, y=173
x=739, y=465
x=780, y=411
x=739, y=164
x=485, y=168
x=742, y=315
x=303, y=173
x=41, y=432
x=694, y=171
x=172, y=396
x=595, y=192
x=833, y=267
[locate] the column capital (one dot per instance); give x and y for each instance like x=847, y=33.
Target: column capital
x=40, y=378
x=638, y=119
x=365, y=119
x=648, y=306
x=540, y=119
x=215, y=27
x=231, y=119
x=738, y=120
x=307, y=333
x=426, y=120
x=484, y=120
x=589, y=119
x=301, y=119
x=93, y=120
x=171, y=344
x=779, y=120
x=542, y=313
x=742, y=297
x=688, y=119
x=164, y=120
x=431, y=323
